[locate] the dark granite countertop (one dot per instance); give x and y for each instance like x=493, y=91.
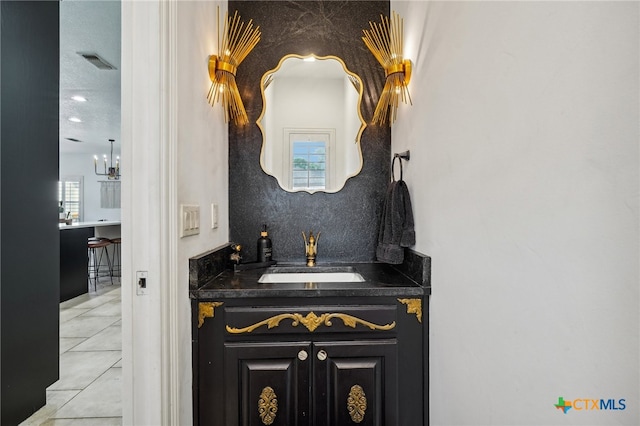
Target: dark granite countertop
x=380, y=280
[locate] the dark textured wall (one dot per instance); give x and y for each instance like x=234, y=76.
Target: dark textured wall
x=349, y=219
x=29, y=235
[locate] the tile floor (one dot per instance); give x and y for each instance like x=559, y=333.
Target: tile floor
x=89, y=390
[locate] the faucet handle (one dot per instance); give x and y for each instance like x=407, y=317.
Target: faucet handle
x=235, y=256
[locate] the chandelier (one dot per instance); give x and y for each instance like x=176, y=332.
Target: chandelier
x=111, y=172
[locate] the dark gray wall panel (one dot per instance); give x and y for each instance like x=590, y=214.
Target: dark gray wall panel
x=29, y=250
x=348, y=219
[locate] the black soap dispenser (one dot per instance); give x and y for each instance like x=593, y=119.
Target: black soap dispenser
x=264, y=246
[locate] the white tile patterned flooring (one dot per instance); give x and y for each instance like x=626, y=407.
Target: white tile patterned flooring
x=88, y=392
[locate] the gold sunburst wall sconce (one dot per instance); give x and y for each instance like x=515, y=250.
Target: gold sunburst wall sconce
x=234, y=44
x=385, y=41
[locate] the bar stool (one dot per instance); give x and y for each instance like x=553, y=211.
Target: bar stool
x=116, y=270
x=97, y=249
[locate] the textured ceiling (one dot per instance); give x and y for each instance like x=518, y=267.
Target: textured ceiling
x=89, y=26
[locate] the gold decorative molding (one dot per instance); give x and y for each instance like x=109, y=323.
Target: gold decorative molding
x=311, y=321
x=357, y=403
x=268, y=405
x=206, y=310
x=414, y=306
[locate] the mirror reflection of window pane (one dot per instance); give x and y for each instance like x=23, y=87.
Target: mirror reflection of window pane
x=309, y=165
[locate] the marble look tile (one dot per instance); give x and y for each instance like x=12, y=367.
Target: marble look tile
x=115, y=292
x=97, y=300
x=84, y=326
x=67, y=343
x=79, y=369
x=109, y=339
x=55, y=400
x=87, y=421
x=70, y=313
x=102, y=398
x=108, y=309
x=72, y=303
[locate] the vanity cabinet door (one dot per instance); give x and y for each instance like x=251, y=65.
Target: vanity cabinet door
x=355, y=382
x=267, y=383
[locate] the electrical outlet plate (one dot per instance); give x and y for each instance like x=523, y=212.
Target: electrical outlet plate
x=189, y=220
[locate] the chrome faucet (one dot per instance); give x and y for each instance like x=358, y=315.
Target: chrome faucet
x=311, y=247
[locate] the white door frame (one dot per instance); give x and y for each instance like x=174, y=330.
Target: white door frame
x=149, y=213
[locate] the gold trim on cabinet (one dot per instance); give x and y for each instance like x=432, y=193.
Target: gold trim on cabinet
x=268, y=405
x=206, y=310
x=311, y=321
x=357, y=403
x=414, y=306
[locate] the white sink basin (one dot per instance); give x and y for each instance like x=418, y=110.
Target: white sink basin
x=310, y=277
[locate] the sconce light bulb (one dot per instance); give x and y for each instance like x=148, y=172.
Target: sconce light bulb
x=95, y=157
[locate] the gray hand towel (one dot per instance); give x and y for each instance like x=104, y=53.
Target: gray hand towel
x=396, y=226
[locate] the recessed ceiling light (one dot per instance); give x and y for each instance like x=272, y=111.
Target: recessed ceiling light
x=79, y=98
x=75, y=119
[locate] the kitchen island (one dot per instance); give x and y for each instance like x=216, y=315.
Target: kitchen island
x=73, y=254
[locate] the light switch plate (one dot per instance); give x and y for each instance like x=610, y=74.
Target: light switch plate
x=189, y=219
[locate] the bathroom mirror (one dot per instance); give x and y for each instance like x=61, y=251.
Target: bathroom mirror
x=311, y=123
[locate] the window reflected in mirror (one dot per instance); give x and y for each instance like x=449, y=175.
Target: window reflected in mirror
x=311, y=123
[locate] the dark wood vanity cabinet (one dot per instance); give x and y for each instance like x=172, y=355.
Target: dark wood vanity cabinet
x=305, y=383
x=301, y=363
x=356, y=383
x=265, y=382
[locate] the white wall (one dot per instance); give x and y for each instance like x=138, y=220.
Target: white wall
x=142, y=210
x=202, y=161
x=524, y=181
x=177, y=146
x=82, y=165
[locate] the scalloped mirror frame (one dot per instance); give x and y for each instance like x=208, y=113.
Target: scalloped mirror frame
x=357, y=83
